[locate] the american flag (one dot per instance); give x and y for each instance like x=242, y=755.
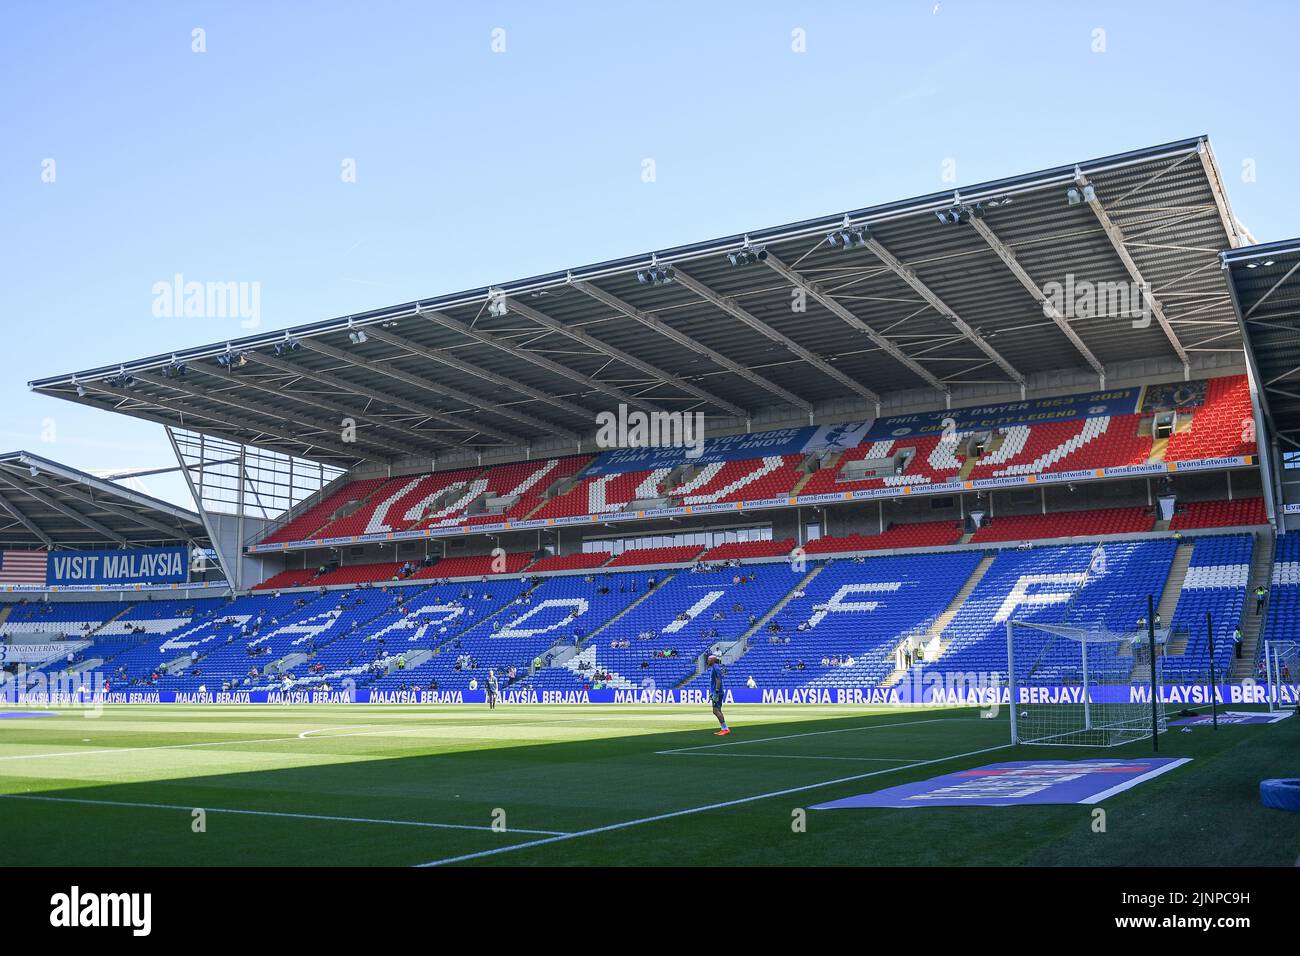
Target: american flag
x=22, y=567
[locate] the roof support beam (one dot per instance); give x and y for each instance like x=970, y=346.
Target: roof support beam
x=1116, y=237
x=819, y=295
x=340, y=384
x=324, y=404
x=215, y=395
x=1211, y=168
x=541, y=361
x=762, y=328
x=349, y=451
x=591, y=342
x=228, y=564
x=925, y=292
x=126, y=514
x=473, y=401
x=537, y=395
x=168, y=417
x=25, y=521
x=104, y=486
x=656, y=325
x=500, y=381
x=1008, y=257
x=54, y=505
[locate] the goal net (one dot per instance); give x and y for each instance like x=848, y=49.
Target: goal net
x=1280, y=668
x=1101, y=682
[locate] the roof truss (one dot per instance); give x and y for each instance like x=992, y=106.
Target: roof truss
x=736, y=311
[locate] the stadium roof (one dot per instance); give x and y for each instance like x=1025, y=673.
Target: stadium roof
x=44, y=504
x=1266, y=289
x=904, y=304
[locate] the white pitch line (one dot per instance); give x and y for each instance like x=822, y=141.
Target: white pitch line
x=685, y=753
x=465, y=857
x=124, y=750
x=811, y=733
x=277, y=813
x=320, y=730
x=214, y=743
x=1141, y=778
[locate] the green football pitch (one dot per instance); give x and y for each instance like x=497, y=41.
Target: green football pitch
x=636, y=785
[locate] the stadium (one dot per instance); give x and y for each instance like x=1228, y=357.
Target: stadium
x=955, y=531
x=904, y=479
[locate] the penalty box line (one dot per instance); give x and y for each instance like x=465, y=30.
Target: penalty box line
x=278, y=813
x=811, y=733
x=465, y=857
x=795, y=757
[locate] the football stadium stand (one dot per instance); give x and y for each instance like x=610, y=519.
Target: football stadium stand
x=834, y=622
x=842, y=626
x=556, y=488
x=1222, y=427
x=1215, y=584
x=742, y=550
x=1064, y=585
x=660, y=638
x=311, y=520
x=1239, y=512
x=293, y=578
x=1282, y=620
x=475, y=566
x=570, y=562
x=922, y=534
x=1066, y=524
x=678, y=554
x=855, y=516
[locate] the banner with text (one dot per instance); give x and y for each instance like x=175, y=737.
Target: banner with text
x=782, y=441
x=136, y=566
x=1037, y=411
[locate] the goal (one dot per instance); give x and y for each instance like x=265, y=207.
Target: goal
x=1098, y=685
x=1281, y=670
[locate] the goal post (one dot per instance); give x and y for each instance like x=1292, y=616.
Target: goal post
x=1104, y=684
x=1281, y=665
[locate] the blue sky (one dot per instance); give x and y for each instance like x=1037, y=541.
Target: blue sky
x=474, y=166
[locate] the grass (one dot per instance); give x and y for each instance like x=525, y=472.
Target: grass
x=395, y=785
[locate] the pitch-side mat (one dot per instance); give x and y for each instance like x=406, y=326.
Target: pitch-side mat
x=1017, y=783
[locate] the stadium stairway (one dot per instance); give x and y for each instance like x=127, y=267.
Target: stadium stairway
x=289, y=661
x=126, y=609
x=415, y=656
x=936, y=629
x=1261, y=572
x=563, y=653
x=413, y=660
x=1158, y=448
x=501, y=608
x=779, y=605
x=743, y=640
x=1169, y=600
x=803, y=480
x=90, y=665
x=1174, y=583
x=646, y=593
